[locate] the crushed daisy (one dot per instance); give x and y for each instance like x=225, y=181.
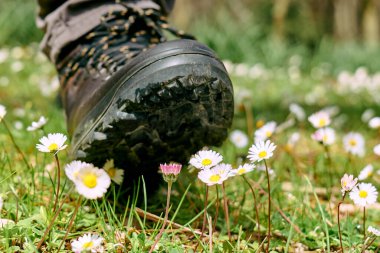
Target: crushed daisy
x=116, y=174
x=37, y=124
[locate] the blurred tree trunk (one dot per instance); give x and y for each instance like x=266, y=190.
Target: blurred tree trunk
x=280, y=9
x=346, y=19
x=322, y=14
x=370, y=23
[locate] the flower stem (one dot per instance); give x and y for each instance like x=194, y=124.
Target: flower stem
x=71, y=223
x=58, y=182
x=340, y=232
x=365, y=245
x=216, y=208
x=256, y=208
x=16, y=146
x=227, y=216
x=249, y=119
x=52, y=222
x=269, y=205
x=165, y=219
x=364, y=222
x=204, y=217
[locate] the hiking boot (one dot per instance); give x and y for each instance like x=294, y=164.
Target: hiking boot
x=131, y=95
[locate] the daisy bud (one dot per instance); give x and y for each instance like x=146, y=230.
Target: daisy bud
x=170, y=171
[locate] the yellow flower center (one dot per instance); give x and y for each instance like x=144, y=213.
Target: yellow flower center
x=90, y=180
x=288, y=147
x=352, y=142
x=344, y=184
x=206, y=162
x=262, y=154
x=111, y=172
x=322, y=122
x=260, y=123
x=215, y=178
x=53, y=147
x=241, y=171
x=325, y=138
x=268, y=133
x=88, y=245
x=363, y=194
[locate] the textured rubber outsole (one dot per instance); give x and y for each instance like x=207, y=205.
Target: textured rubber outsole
x=165, y=112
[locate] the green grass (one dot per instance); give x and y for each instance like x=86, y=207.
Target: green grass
x=27, y=192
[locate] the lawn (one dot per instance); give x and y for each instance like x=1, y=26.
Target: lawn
x=305, y=179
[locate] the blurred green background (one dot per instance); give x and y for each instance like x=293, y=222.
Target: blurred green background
x=341, y=32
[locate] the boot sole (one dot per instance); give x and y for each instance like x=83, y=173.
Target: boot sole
x=177, y=101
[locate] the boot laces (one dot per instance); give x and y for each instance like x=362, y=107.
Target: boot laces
x=120, y=36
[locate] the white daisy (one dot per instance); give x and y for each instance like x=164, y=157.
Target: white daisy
x=354, y=143
x=374, y=123
x=239, y=138
x=364, y=194
x=347, y=183
x=92, y=182
x=297, y=111
x=261, y=150
x=376, y=149
x=373, y=231
x=266, y=131
x=72, y=169
x=243, y=169
x=293, y=139
x=6, y=222
x=320, y=119
x=205, y=159
x=116, y=175
x=37, y=125
x=367, y=115
x=215, y=175
x=326, y=136
x=366, y=172
x=87, y=243
x=3, y=111
x=52, y=143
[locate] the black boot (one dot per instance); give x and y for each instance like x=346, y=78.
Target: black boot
x=131, y=95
